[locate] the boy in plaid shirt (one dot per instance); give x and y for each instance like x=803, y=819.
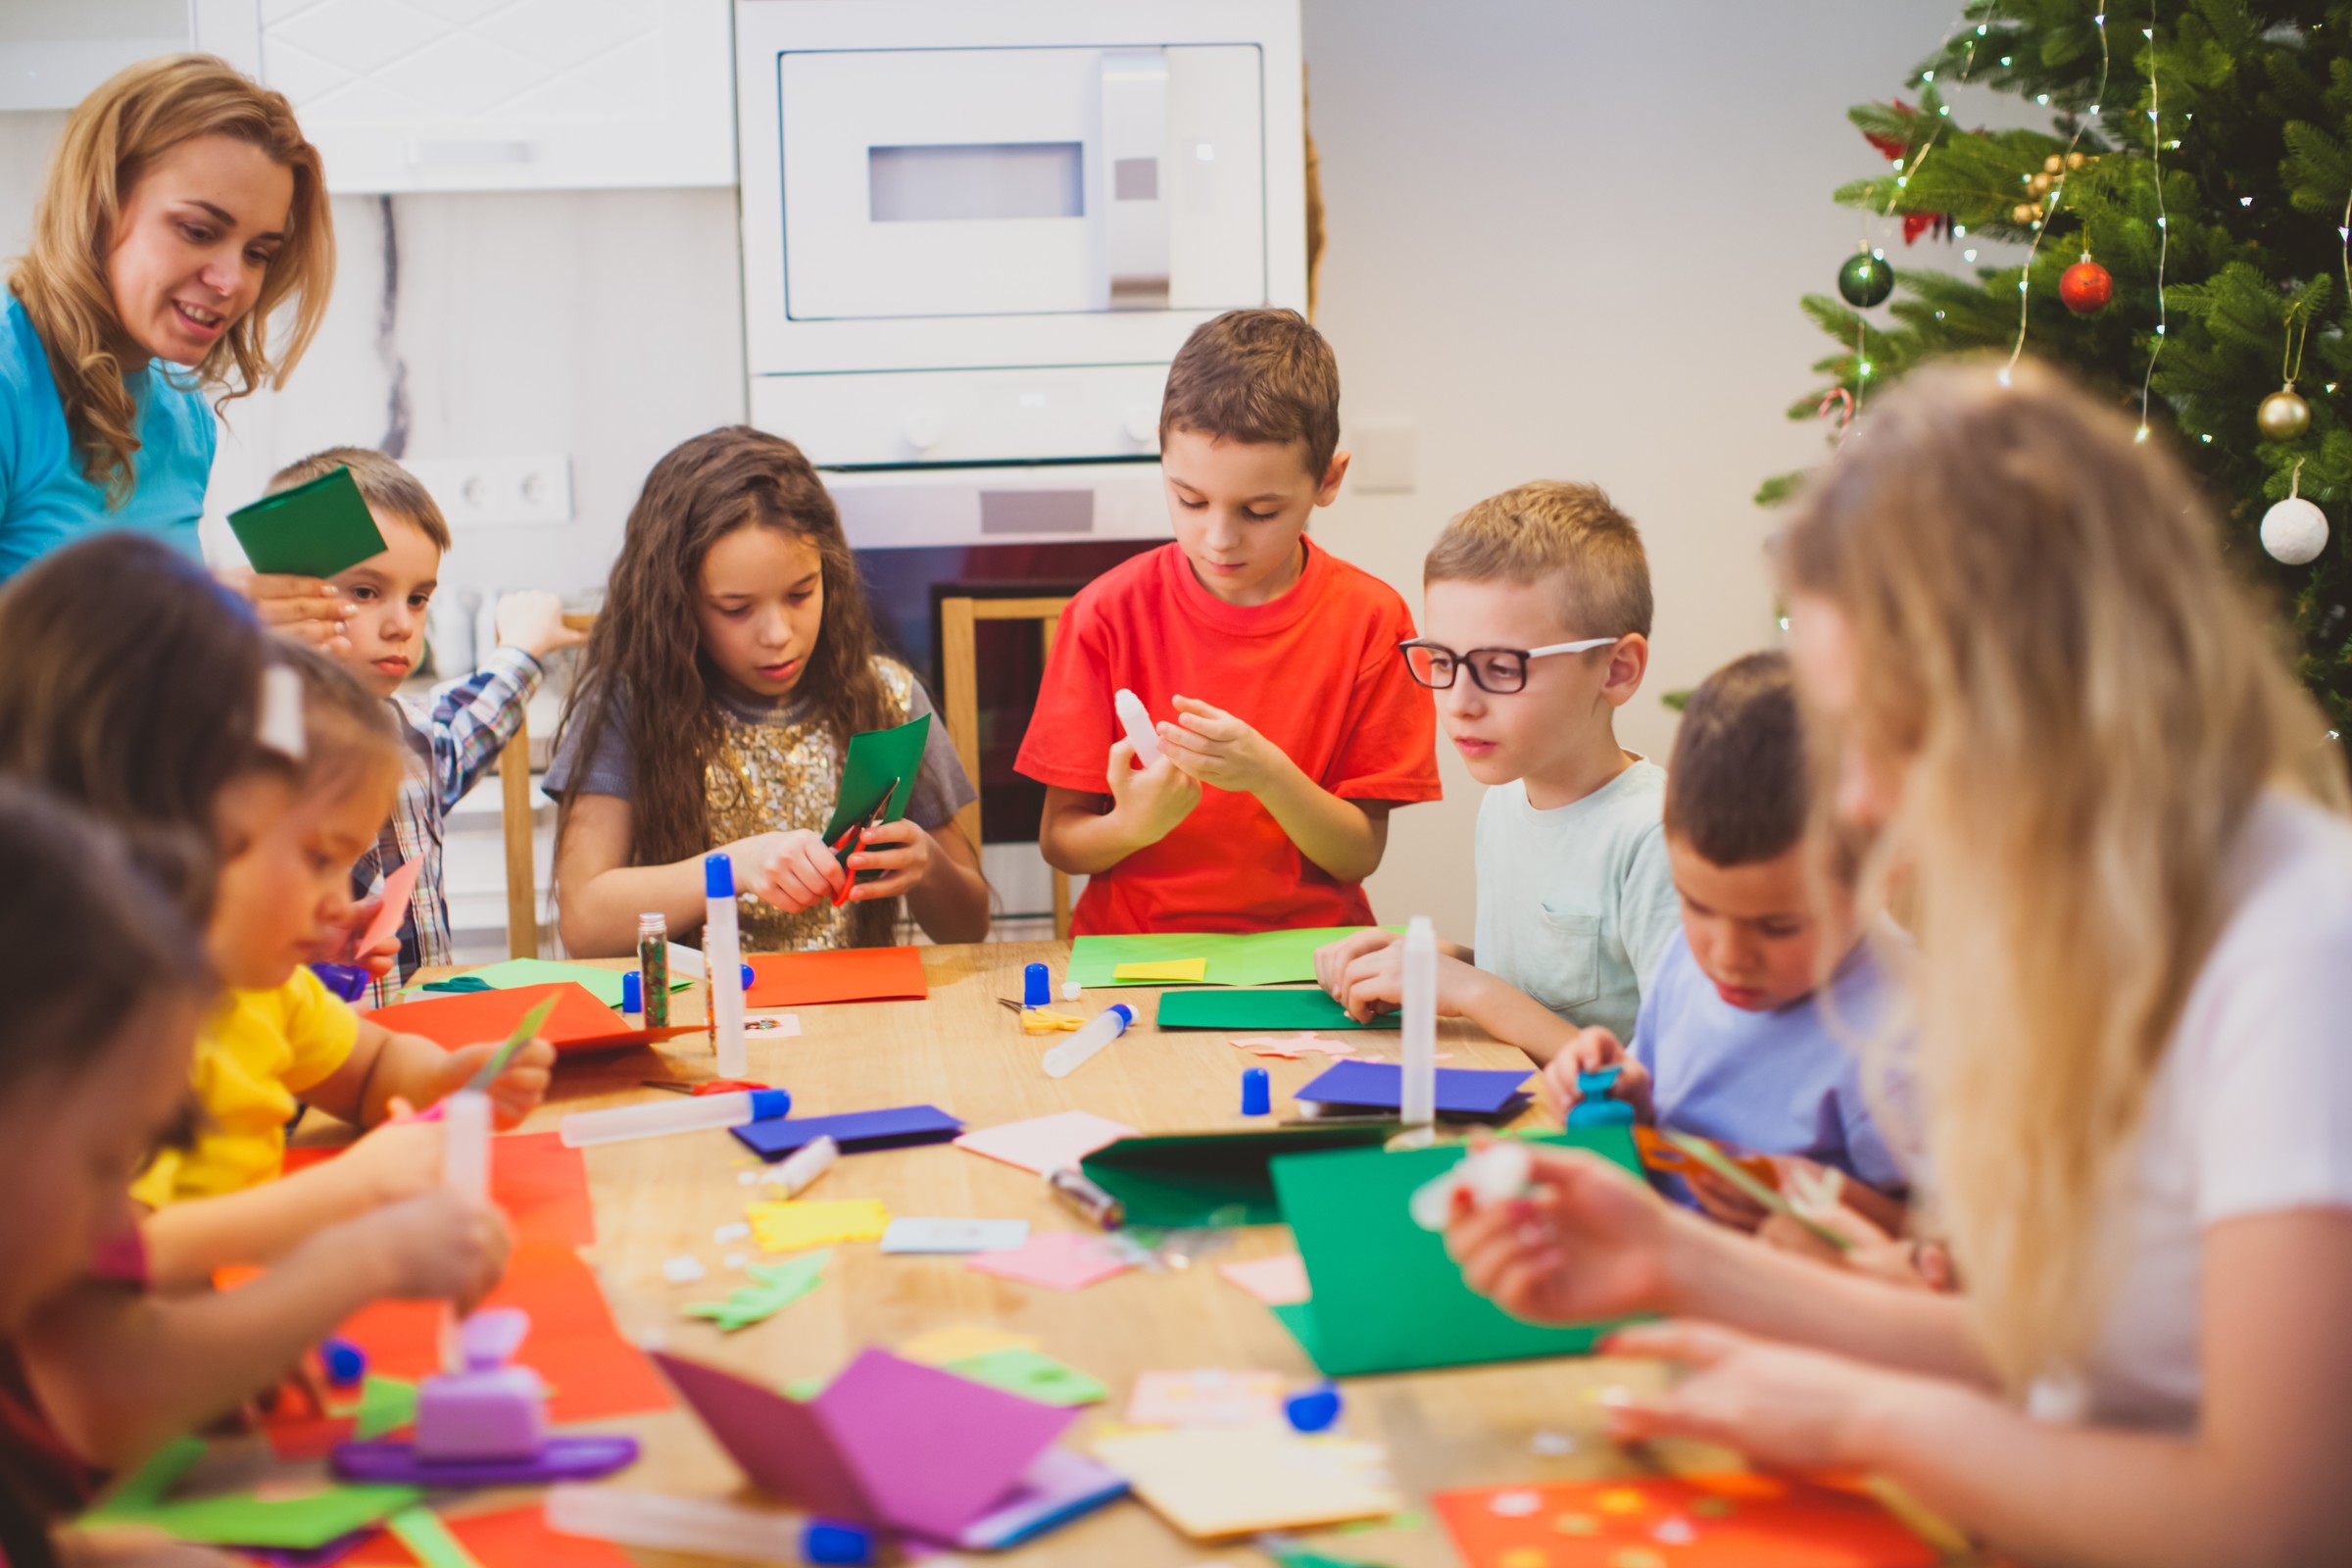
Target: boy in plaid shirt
x=470, y=721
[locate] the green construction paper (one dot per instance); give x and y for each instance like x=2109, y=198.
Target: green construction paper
x=1348, y=1214
x=1235, y=958
x=1179, y=1179
x=242, y=1519
x=386, y=1405
x=1032, y=1375
x=428, y=1539
x=779, y=1286
x=876, y=758
x=1235, y=1010
x=512, y=974
x=525, y=1027
x=312, y=530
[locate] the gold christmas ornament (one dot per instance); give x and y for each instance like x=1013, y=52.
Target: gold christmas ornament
x=2076, y=160
x=2041, y=185
x=2283, y=414
x=2024, y=212
x=2052, y=164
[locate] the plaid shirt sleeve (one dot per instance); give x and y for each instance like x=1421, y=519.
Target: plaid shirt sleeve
x=472, y=719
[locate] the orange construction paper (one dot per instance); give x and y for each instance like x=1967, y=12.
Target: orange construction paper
x=593, y=1371
x=1736, y=1520
x=512, y=1538
x=542, y=1186
x=579, y=1022
x=848, y=975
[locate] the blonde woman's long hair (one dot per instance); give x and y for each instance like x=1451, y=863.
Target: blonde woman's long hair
x=2084, y=706
x=112, y=137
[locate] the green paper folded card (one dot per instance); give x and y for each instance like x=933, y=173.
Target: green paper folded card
x=1233, y=957
x=1178, y=1180
x=876, y=777
x=1349, y=1214
x=1267, y=1010
x=297, y=1522
x=312, y=530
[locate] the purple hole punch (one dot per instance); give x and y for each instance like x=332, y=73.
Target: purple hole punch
x=485, y=1426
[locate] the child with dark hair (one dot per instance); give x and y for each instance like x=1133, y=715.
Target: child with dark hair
x=732, y=662
x=1750, y=1029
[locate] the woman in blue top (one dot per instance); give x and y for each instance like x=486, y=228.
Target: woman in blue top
x=184, y=210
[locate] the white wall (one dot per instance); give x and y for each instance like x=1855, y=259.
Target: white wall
x=1566, y=240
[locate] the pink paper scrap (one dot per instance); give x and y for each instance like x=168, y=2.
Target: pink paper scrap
x=1062, y=1260
x=1278, y=1281
x=1288, y=1050
x=1043, y=1143
x=1207, y=1398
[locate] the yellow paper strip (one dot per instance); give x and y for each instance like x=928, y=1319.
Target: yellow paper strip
x=1169, y=970
x=788, y=1227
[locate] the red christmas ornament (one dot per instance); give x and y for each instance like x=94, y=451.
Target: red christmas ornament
x=2086, y=287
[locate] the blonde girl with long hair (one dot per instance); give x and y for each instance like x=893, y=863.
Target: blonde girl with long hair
x=181, y=253
x=2119, y=826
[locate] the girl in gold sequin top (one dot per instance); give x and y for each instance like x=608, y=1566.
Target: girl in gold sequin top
x=732, y=662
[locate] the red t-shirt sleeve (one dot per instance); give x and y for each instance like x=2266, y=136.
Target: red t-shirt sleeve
x=1389, y=751
x=1071, y=730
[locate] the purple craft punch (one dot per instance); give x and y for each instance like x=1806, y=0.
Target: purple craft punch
x=484, y=1425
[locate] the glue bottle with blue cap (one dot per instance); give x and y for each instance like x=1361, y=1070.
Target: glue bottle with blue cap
x=722, y=949
x=1098, y=1031
x=686, y=1114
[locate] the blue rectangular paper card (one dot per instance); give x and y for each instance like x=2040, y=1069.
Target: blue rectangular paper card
x=900, y=1127
x=1380, y=1086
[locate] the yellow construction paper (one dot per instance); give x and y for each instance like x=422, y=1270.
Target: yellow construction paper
x=1210, y=1483
x=960, y=1341
x=788, y=1227
x=1169, y=970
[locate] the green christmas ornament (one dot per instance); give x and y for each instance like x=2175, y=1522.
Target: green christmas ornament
x=1865, y=280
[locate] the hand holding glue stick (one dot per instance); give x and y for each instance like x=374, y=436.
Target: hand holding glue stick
x=1138, y=723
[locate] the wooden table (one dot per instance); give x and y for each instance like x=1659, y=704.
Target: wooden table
x=961, y=1050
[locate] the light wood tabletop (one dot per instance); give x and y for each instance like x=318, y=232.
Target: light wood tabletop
x=961, y=1050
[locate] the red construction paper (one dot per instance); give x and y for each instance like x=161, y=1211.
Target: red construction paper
x=579, y=1022
x=397, y=888
x=1734, y=1520
x=591, y=1371
x=513, y=1538
x=847, y=974
x=542, y=1186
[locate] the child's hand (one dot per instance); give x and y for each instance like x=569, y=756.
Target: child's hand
x=533, y=621
x=1333, y=959
x=305, y=609
x=514, y=1093
x=1783, y=1408
x=392, y=1162
x=1588, y=1242
x=1213, y=747
x=790, y=871
x=436, y=1246
x=1589, y=1050
x=1152, y=799
x=335, y=946
x=901, y=850
x=1374, y=982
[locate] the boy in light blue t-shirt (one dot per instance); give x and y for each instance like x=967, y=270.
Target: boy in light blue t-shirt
x=1537, y=613
x=1741, y=1039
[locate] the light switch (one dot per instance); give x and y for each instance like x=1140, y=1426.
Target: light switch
x=1386, y=456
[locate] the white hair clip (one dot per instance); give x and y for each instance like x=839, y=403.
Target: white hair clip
x=282, y=728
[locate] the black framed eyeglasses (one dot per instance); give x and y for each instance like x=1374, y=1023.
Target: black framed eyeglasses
x=1497, y=671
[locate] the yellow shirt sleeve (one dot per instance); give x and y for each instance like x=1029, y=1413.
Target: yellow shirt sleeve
x=320, y=1029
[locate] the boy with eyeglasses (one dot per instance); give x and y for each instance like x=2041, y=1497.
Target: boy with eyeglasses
x=1537, y=608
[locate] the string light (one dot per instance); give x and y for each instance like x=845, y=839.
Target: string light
x=2163, y=233
x=2041, y=227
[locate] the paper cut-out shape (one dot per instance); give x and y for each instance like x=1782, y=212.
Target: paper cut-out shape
x=1206, y=1397
x=1166, y=971
x=889, y=1444
x=395, y=910
x=1210, y=1483
x=777, y=1287
x=942, y=1236
x=794, y=1223
x=1300, y=1009
x=311, y=530
x=579, y=1022
x=245, y=1518
x=1710, y=1521
x=1234, y=958
x=880, y=762
x=1352, y=1087
x=846, y=974
x=1277, y=1281
x=428, y=1539
x=1042, y=1144
x=857, y=1132
x=1293, y=1047
x=960, y=1341
x=1214, y=1178
x=1061, y=1261
x=1032, y=1376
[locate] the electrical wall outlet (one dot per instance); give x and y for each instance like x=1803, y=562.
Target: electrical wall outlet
x=1387, y=456
x=497, y=492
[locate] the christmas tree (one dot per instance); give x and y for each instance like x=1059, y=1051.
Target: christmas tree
x=2183, y=223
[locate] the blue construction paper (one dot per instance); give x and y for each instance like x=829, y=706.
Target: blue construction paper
x=1380, y=1085
x=855, y=1132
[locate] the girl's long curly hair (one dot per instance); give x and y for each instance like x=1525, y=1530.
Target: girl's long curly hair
x=644, y=669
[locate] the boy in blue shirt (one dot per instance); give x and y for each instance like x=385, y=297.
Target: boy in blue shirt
x=1748, y=1030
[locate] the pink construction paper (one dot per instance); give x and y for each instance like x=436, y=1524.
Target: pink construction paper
x=934, y=1450
x=782, y=1445
x=1064, y=1260
x=397, y=888
x=1288, y=1050
x=1278, y=1281
x=1045, y=1144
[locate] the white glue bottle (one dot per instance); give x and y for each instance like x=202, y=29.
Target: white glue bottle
x=1418, y=1101
x=1098, y=1031
x=1130, y=709
x=722, y=953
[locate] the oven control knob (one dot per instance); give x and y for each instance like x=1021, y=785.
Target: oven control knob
x=922, y=429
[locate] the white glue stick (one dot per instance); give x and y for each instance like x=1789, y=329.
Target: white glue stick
x=687, y=1113
x=723, y=952
x=466, y=1171
x=1098, y=1031
x=1130, y=709
x=1418, y=1098
x=803, y=1165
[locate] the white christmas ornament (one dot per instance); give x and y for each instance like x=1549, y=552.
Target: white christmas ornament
x=2295, y=531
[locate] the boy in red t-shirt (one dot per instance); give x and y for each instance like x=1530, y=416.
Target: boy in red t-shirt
x=1270, y=804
